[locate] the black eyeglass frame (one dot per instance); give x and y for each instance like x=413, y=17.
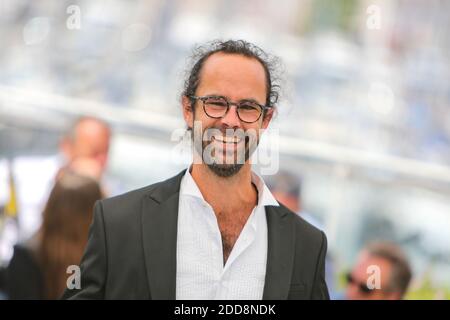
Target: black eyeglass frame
x=230, y=103
x=362, y=287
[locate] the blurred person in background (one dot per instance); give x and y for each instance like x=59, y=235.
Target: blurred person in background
x=38, y=267
x=395, y=273
x=84, y=148
x=286, y=187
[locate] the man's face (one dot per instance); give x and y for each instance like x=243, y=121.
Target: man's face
x=236, y=78
x=90, y=145
x=361, y=273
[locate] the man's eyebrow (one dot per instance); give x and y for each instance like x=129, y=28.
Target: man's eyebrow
x=216, y=95
x=241, y=100
x=249, y=100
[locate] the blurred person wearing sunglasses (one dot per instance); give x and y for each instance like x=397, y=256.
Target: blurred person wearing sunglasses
x=214, y=231
x=395, y=273
x=38, y=267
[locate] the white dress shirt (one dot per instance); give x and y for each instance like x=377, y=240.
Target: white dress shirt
x=200, y=270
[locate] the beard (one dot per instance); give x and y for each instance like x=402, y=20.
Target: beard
x=224, y=151
x=225, y=170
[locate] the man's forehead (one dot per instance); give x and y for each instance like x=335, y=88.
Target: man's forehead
x=89, y=127
x=226, y=63
x=234, y=73
x=366, y=260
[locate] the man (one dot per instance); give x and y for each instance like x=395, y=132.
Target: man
x=383, y=260
x=214, y=231
x=86, y=146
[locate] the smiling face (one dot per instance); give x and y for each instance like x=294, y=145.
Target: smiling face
x=237, y=78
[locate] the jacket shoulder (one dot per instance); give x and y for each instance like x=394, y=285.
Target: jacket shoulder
x=303, y=229
x=130, y=202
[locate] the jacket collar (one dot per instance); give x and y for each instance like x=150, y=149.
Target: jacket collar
x=159, y=219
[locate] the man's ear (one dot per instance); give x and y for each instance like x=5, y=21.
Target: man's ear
x=267, y=117
x=188, y=111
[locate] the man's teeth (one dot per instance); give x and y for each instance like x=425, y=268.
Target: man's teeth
x=226, y=139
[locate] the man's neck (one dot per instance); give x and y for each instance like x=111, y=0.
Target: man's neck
x=226, y=193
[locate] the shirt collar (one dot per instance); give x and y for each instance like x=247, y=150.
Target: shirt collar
x=189, y=187
x=265, y=197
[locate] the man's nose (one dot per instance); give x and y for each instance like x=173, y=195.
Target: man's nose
x=231, y=118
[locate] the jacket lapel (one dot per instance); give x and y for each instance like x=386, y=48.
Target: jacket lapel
x=159, y=234
x=280, y=253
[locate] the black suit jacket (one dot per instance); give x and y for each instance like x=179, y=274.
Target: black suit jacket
x=131, y=252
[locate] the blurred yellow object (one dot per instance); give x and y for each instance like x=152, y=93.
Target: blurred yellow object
x=11, y=208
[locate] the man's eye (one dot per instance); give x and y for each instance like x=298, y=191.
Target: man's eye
x=248, y=106
x=216, y=103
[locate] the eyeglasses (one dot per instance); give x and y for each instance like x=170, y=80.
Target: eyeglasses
x=217, y=107
x=362, y=287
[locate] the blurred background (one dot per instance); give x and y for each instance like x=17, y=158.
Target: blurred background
x=364, y=119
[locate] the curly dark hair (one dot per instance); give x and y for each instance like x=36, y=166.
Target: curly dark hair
x=201, y=53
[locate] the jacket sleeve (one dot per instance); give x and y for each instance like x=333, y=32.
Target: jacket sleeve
x=94, y=262
x=320, y=290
